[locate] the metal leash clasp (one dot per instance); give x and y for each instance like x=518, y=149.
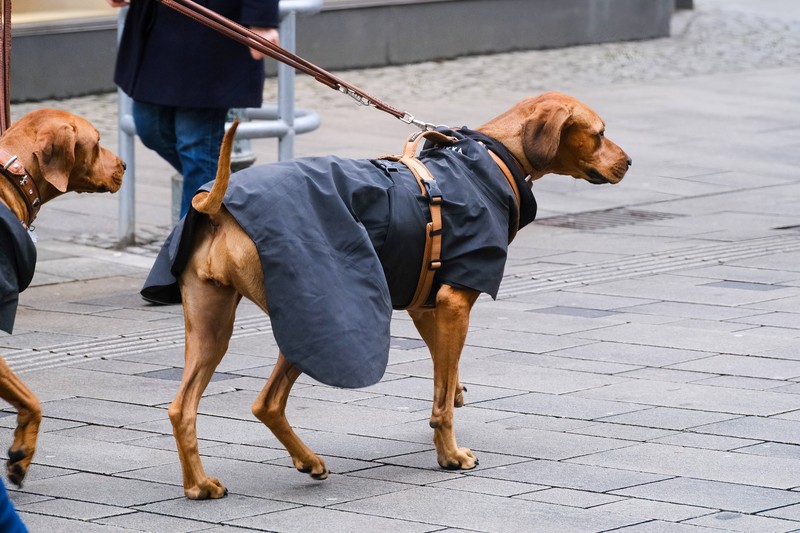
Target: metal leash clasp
x=424, y=126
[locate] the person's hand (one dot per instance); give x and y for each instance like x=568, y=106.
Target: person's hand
x=270, y=34
x=118, y=3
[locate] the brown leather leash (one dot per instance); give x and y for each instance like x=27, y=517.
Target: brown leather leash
x=5, y=65
x=251, y=39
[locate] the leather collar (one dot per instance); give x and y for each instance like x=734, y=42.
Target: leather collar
x=14, y=171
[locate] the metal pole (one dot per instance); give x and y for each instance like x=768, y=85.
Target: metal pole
x=127, y=193
x=286, y=75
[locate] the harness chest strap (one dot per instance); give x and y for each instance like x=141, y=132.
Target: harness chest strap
x=510, y=179
x=432, y=257
x=14, y=171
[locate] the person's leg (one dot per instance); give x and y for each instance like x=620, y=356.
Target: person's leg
x=199, y=136
x=155, y=126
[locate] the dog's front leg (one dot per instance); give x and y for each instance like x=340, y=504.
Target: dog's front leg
x=445, y=338
x=270, y=408
x=29, y=415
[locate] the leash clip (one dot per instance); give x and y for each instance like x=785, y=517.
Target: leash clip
x=424, y=126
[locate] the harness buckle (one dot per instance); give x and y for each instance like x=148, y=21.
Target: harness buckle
x=434, y=193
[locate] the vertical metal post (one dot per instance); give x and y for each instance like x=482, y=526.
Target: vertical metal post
x=127, y=142
x=286, y=75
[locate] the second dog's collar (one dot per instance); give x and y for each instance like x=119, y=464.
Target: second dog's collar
x=13, y=170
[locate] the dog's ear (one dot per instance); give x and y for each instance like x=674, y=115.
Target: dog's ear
x=541, y=133
x=55, y=153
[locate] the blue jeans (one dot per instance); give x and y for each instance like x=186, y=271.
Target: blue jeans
x=188, y=138
x=10, y=521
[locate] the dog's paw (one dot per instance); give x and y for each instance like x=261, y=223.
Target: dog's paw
x=17, y=465
x=209, y=489
x=315, y=467
x=459, y=399
x=462, y=459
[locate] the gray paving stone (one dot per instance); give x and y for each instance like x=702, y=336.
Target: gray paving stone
x=645, y=509
x=773, y=449
x=411, y=476
x=741, y=522
x=687, y=339
x=729, y=467
x=738, y=382
x=624, y=432
x=102, y=489
x=484, y=485
x=752, y=427
x=232, y=507
x=488, y=513
x=657, y=526
x=72, y=509
x=562, y=406
x=311, y=519
x=714, y=495
x=632, y=354
x=669, y=418
x=104, y=433
x=142, y=521
x=689, y=310
x=563, y=363
x=756, y=367
x=520, y=341
x=693, y=396
x=570, y=497
x=89, y=410
x=667, y=374
x=105, y=457
x=790, y=512
x=37, y=522
x=708, y=442
x=569, y=475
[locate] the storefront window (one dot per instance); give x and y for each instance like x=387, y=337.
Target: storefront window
x=31, y=11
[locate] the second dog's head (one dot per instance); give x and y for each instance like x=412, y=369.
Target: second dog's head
x=556, y=133
x=62, y=152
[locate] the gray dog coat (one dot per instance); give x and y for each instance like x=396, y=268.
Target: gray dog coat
x=341, y=243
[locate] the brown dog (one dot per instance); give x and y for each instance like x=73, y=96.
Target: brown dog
x=44, y=154
x=551, y=133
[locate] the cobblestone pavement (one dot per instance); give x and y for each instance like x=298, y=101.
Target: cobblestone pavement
x=639, y=371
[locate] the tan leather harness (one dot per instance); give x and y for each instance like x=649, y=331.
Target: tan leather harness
x=432, y=258
x=14, y=171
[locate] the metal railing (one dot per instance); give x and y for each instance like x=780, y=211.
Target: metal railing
x=282, y=120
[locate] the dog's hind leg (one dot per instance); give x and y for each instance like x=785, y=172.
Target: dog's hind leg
x=270, y=408
x=447, y=334
x=29, y=415
x=209, y=312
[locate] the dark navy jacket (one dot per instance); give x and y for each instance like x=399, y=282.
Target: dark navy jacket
x=166, y=58
x=17, y=263
x=341, y=243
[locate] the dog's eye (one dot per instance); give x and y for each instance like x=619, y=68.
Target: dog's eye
x=601, y=133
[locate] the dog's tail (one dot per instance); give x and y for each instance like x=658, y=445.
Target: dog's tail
x=211, y=202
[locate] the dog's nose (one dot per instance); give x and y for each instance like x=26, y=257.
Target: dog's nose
x=125, y=167
x=630, y=161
